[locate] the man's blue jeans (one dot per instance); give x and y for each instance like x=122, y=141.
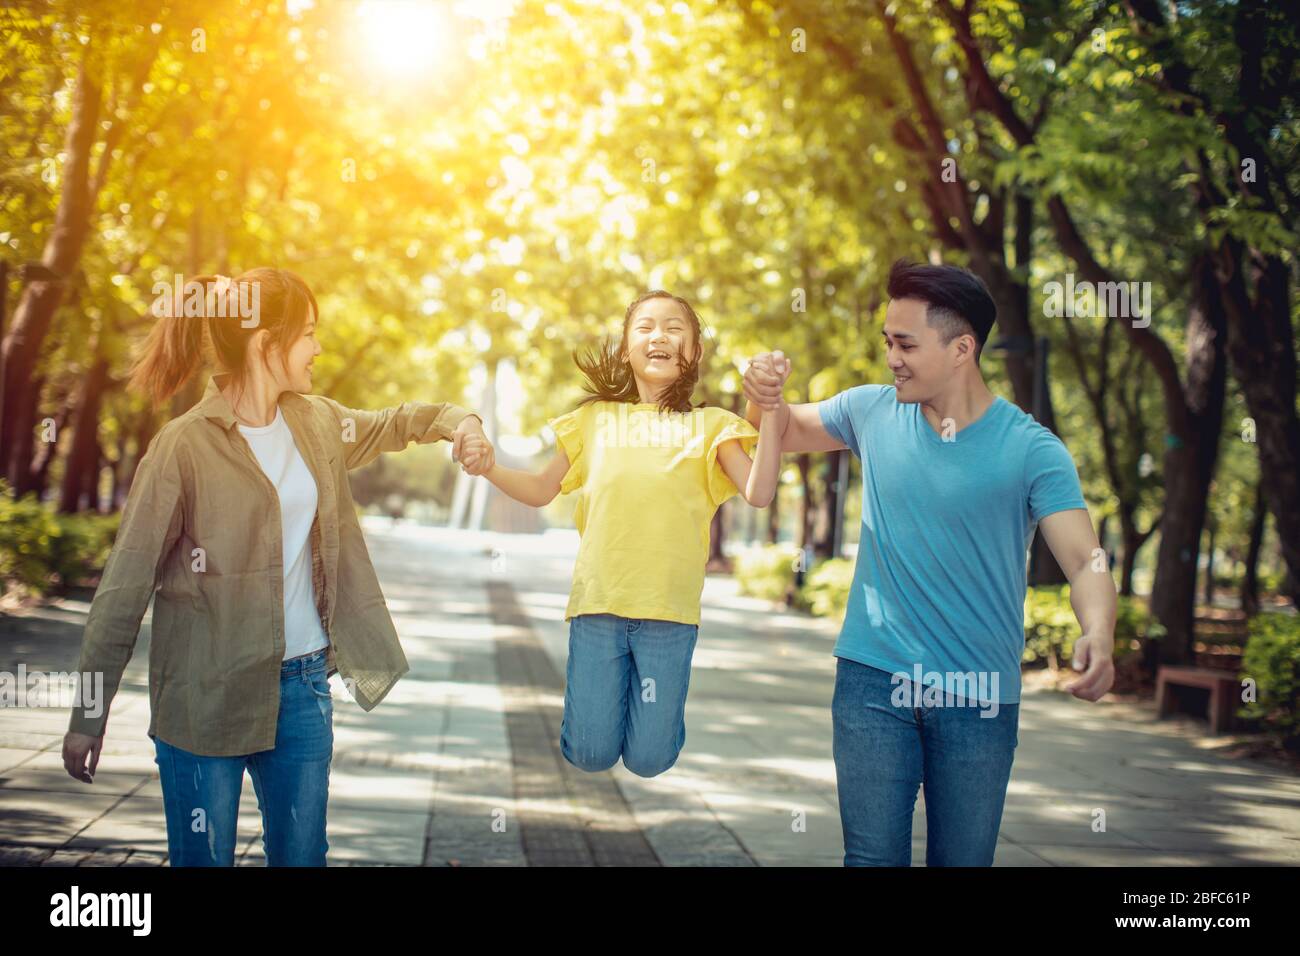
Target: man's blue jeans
x=201, y=794
x=884, y=752
x=626, y=692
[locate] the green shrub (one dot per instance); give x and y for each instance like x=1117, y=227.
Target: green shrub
x=1272, y=661
x=83, y=546
x=826, y=588
x=1051, y=627
x=27, y=541
x=766, y=572
x=1133, y=625
x=41, y=549
x=1270, y=582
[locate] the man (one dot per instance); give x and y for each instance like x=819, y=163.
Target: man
x=954, y=481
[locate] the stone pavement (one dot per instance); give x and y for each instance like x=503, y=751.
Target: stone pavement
x=460, y=765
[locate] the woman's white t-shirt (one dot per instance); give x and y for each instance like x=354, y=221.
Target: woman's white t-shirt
x=283, y=464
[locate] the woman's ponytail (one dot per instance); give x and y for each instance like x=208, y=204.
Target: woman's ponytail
x=174, y=349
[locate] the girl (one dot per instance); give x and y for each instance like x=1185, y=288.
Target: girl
x=241, y=511
x=652, y=471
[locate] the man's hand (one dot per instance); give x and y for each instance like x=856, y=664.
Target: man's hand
x=1070, y=535
x=764, y=380
x=76, y=747
x=477, y=456
x=1095, y=657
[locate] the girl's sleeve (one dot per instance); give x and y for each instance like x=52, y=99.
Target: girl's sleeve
x=722, y=487
x=569, y=430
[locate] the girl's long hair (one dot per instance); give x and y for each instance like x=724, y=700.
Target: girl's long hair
x=176, y=344
x=608, y=374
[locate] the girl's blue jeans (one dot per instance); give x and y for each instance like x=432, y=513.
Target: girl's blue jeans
x=626, y=692
x=201, y=794
x=883, y=753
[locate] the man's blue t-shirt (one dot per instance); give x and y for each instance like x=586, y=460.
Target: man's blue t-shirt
x=939, y=584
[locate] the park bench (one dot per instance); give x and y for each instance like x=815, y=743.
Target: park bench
x=1224, y=688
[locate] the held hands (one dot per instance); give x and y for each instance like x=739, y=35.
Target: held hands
x=764, y=379
x=471, y=447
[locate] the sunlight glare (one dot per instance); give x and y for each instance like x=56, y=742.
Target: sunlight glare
x=404, y=37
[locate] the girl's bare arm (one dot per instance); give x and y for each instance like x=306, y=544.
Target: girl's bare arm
x=757, y=479
x=531, y=489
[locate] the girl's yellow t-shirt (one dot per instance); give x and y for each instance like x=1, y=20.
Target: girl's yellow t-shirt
x=649, y=483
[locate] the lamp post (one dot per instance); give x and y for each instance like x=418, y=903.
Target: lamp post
x=1043, y=569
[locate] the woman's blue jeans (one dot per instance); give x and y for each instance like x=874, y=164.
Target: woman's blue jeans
x=201, y=794
x=626, y=692
x=884, y=752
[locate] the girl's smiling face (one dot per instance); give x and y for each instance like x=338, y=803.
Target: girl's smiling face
x=660, y=341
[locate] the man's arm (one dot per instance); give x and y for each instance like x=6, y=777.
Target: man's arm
x=800, y=426
x=1074, y=544
x=803, y=429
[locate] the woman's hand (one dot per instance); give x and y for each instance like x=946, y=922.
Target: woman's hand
x=476, y=455
x=76, y=747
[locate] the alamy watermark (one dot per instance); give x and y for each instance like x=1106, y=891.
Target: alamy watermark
x=623, y=429
x=189, y=298
x=83, y=690
x=933, y=688
x=1094, y=300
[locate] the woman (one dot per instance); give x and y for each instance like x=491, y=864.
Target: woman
x=241, y=514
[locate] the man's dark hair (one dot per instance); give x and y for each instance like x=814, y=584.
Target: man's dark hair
x=957, y=300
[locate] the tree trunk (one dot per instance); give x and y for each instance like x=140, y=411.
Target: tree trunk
x=118, y=489
x=1193, y=448
x=1128, y=562
x=1133, y=540
x=81, y=466
x=43, y=455
x=842, y=472
x=146, y=425
x=1261, y=345
x=1012, y=301
x=90, y=484
x=717, y=534
x=803, y=529
x=1209, y=564
x=826, y=513
x=1250, y=581
x=41, y=298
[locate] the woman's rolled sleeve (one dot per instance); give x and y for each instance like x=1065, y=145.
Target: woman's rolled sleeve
x=366, y=434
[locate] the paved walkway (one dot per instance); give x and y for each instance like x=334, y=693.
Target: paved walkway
x=461, y=766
